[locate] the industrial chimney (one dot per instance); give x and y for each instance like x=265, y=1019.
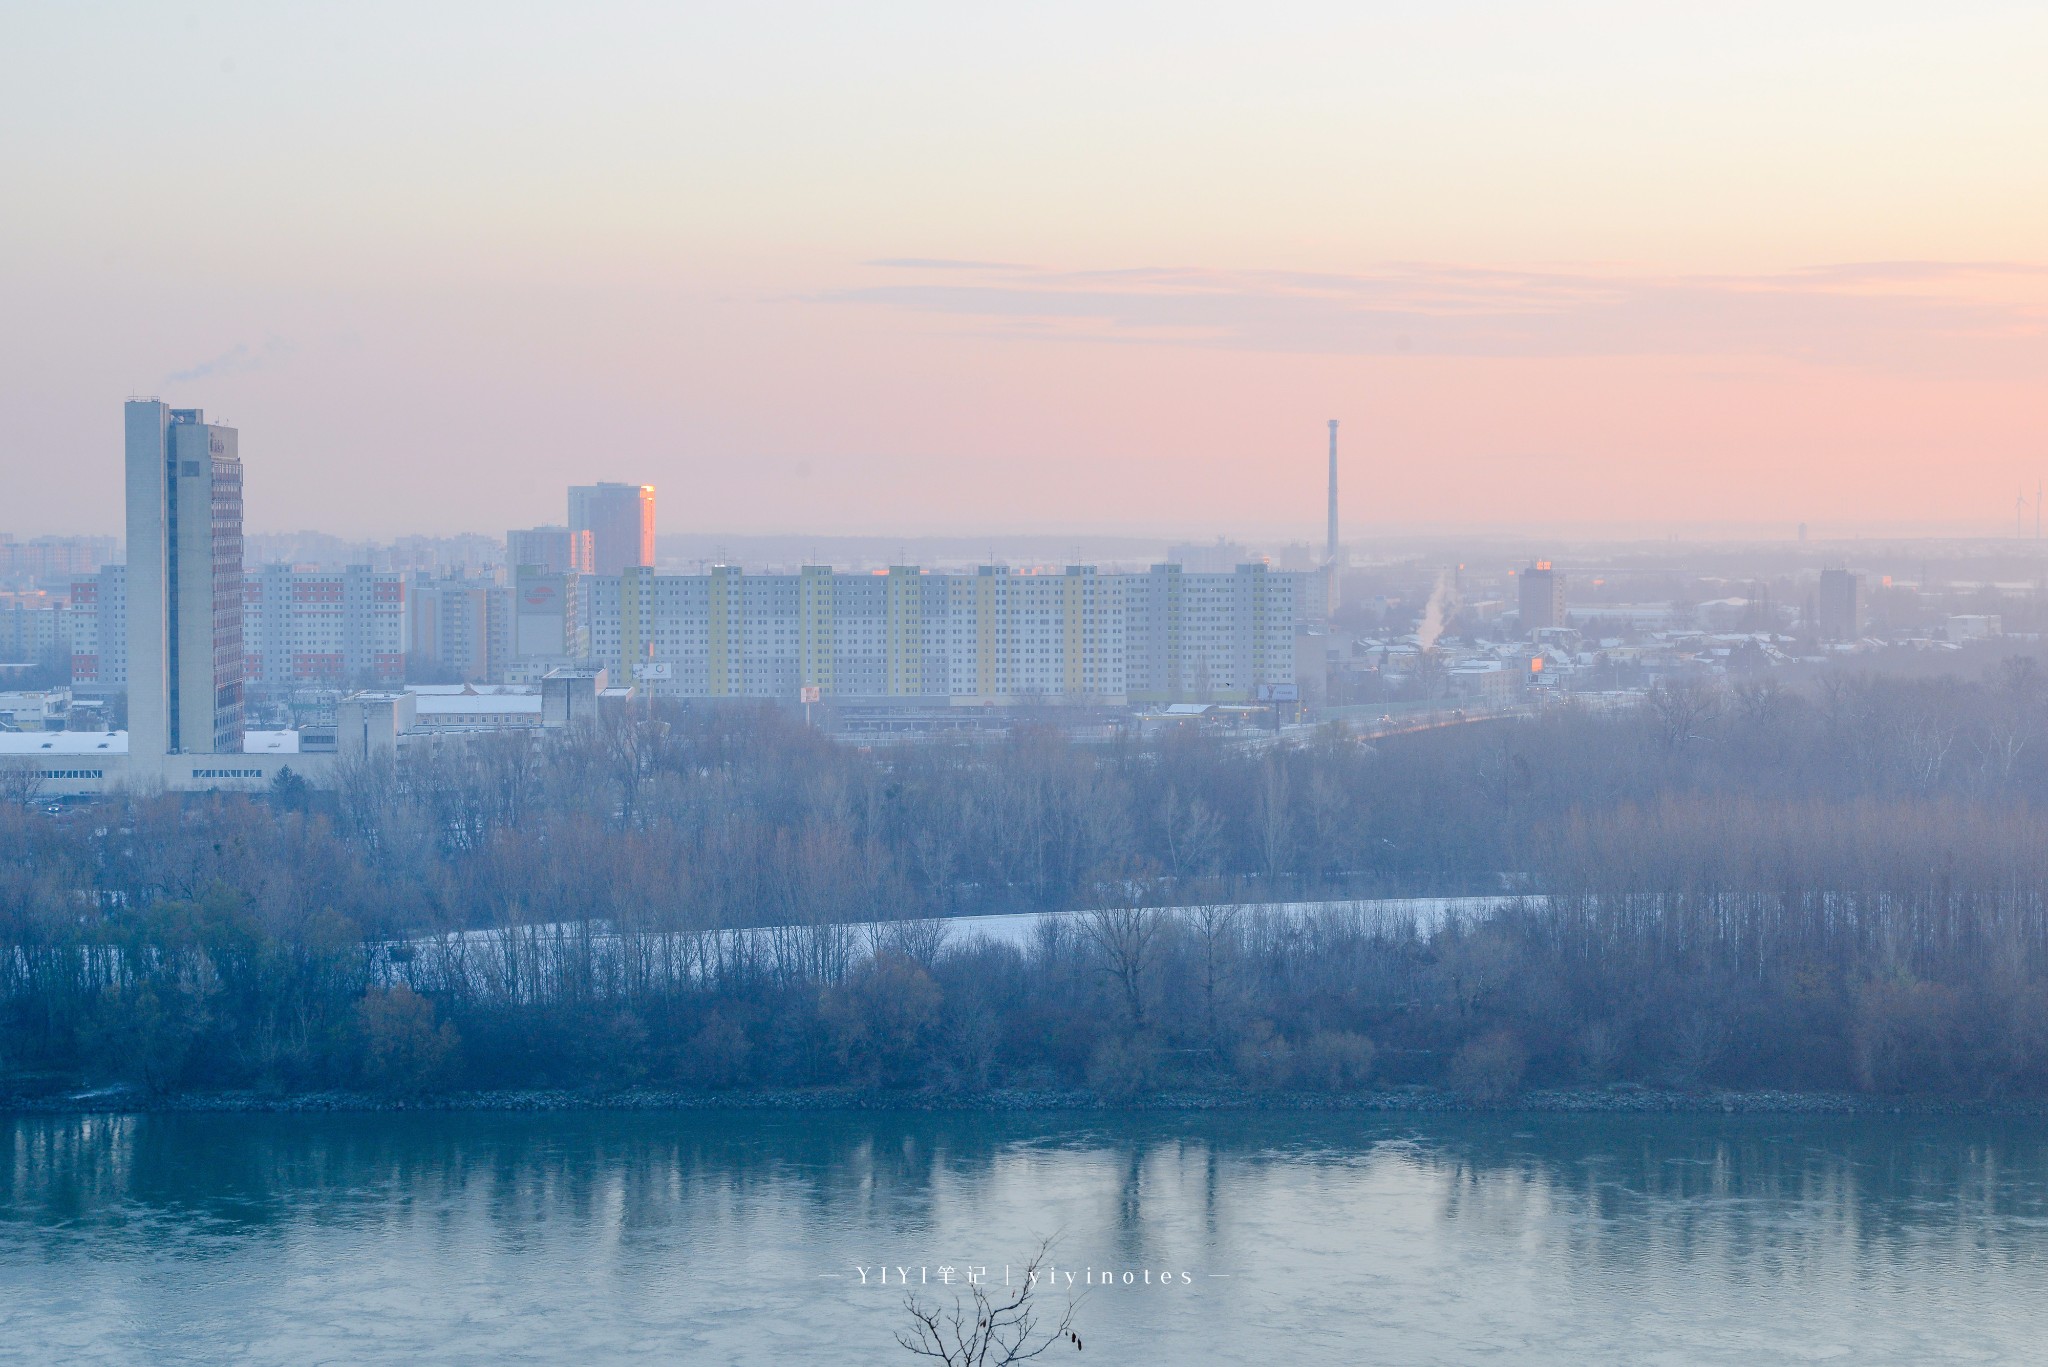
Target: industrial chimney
x=1331, y=554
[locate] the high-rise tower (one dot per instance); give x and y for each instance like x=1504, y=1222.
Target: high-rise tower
x=620, y=521
x=184, y=580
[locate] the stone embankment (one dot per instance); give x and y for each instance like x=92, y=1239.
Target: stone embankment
x=1590, y=1101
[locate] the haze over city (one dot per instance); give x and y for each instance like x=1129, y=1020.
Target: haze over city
x=929, y=270
x=1326, y=683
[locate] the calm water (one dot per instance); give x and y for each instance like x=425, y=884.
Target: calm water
x=1304, y=1240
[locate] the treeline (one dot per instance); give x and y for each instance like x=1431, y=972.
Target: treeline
x=1838, y=888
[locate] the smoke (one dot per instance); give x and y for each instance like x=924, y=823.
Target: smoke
x=1443, y=605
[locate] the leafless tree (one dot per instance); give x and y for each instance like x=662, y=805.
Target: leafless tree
x=1272, y=822
x=1191, y=829
x=20, y=783
x=1127, y=939
x=989, y=1328
x=1680, y=709
x=1215, y=928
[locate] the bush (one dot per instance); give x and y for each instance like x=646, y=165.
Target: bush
x=1490, y=1068
x=1900, y=1036
x=718, y=1054
x=403, y=1050
x=1123, y=1066
x=1263, y=1058
x=1335, y=1061
x=882, y=1019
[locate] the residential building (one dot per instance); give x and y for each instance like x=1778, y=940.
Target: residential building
x=457, y=624
x=99, y=632
x=303, y=627
x=546, y=628
x=996, y=635
x=54, y=558
x=556, y=550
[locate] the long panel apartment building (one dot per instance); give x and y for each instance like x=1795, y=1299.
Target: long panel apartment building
x=305, y=627
x=994, y=635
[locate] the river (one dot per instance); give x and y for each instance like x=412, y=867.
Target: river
x=1279, y=1237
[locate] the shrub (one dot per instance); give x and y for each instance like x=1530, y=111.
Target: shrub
x=1123, y=1066
x=1263, y=1058
x=1335, y=1061
x=882, y=1019
x=1489, y=1068
x=403, y=1050
x=718, y=1054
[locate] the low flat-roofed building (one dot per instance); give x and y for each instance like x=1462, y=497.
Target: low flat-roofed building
x=97, y=763
x=474, y=711
x=44, y=710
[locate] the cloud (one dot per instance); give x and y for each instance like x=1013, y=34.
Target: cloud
x=239, y=359
x=1867, y=314
x=944, y=263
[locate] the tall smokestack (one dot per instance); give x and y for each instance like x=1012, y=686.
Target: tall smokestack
x=1332, y=552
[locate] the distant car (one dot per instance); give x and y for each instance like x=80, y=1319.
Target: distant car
x=54, y=810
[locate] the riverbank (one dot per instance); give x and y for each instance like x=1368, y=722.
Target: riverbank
x=1604, y=1100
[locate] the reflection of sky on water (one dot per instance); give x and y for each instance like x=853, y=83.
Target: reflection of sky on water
x=734, y=1237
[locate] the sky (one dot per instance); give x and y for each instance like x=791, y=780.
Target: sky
x=915, y=268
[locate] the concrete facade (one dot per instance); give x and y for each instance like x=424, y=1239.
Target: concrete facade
x=993, y=636
x=184, y=582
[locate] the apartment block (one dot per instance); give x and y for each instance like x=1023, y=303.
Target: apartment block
x=995, y=635
x=323, y=628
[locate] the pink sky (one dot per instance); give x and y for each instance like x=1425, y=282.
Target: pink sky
x=1089, y=268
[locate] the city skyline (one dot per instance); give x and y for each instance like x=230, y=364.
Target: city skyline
x=928, y=270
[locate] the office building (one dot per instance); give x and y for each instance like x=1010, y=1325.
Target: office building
x=168, y=624
x=1542, y=598
x=619, y=521
x=184, y=488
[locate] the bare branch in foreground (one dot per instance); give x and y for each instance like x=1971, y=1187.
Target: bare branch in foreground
x=981, y=1332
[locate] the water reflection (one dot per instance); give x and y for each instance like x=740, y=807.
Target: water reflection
x=1555, y=1238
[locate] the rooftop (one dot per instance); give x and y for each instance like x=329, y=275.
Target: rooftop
x=37, y=743
x=478, y=704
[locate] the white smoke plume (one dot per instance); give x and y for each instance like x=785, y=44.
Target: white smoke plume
x=1443, y=605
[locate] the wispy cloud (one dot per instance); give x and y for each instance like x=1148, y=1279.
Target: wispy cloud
x=945, y=263
x=1878, y=314
x=239, y=359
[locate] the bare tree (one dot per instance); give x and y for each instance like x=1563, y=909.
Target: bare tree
x=1191, y=828
x=20, y=783
x=1272, y=826
x=1680, y=710
x=1215, y=927
x=1127, y=938
x=984, y=1331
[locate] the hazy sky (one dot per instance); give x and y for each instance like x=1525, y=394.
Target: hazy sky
x=911, y=267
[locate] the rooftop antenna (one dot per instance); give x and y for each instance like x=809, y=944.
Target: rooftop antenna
x=2019, y=514
x=2037, y=510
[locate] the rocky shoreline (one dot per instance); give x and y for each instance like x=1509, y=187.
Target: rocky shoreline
x=1591, y=1101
